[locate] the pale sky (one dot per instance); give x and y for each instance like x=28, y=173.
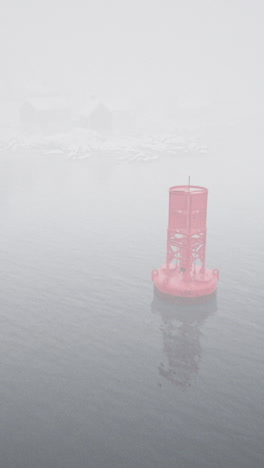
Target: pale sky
x=202, y=48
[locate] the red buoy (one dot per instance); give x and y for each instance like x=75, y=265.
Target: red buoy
x=185, y=274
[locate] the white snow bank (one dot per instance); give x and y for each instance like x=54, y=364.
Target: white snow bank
x=81, y=143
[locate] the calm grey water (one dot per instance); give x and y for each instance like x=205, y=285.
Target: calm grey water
x=95, y=370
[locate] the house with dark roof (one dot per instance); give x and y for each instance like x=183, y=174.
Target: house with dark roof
x=96, y=116
x=107, y=116
x=46, y=113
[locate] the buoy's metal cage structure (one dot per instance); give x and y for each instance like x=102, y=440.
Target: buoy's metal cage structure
x=186, y=238
x=185, y=273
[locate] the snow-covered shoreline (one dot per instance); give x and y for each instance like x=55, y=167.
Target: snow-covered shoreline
x=82, y=144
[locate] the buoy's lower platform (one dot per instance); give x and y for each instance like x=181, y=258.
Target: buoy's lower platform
x=172, y=280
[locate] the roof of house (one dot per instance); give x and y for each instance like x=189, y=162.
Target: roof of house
x=107, y=104
x=119, y=105
x=91, y=106
x=48, y=103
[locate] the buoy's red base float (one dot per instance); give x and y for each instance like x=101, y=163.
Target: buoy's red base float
x=171, y=281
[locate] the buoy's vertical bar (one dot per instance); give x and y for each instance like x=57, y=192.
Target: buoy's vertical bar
x=188, y=246
x=205, y=233
x=168, y=237
x=203, y=253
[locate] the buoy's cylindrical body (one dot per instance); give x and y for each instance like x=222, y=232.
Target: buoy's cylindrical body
x=185, y=273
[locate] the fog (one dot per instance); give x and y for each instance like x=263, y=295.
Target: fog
x=103, y=107
x=205, y=51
